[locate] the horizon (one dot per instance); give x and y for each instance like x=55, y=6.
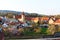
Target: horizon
x=30, y=12
x=46, y=7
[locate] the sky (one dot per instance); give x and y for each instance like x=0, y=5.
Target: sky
x=47, y=7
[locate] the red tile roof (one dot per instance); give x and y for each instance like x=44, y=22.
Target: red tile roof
x=28, y=18
x=18, y=16
x=45, y=18
x=57, y=21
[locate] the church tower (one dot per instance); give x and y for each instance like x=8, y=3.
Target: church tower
x=22, y=18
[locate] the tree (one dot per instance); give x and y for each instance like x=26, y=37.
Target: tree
x=9, y=15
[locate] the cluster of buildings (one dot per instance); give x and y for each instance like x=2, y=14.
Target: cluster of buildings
x=49, y=20
x=21, y=19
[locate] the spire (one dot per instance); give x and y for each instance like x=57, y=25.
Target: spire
x=23, y=13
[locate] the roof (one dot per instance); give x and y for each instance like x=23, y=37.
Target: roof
x=28, y=18
x=18, y=16
x=57, y=21
x=35, y=18
x=44, y=18
x=12, y=23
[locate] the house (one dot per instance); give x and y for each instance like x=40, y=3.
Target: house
x=28, y=18
x=51, y=21
x=12, y=23
x=20, y=17
x=36, y=19
x=13, y=16
x=44, y=19
x=57, y=22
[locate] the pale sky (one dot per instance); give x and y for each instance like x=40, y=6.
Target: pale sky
x=47, y=7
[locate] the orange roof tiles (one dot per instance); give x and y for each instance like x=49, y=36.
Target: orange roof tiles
x=45, y=18
x=57, y=21
x=28, y=18
x=18, y=16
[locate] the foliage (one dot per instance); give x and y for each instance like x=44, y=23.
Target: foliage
x=43, y=31
x=9, y=15
x=32, y=31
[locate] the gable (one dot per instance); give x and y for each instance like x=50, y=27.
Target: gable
x=51, y=21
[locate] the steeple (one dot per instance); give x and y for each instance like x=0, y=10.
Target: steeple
x=22, y=13
x=22, y=17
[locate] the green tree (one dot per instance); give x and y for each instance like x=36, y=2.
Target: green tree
x=9, y=15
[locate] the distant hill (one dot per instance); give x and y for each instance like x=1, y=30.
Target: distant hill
x=3, y=12
x=7, y=11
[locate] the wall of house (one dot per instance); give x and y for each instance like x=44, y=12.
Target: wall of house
x=51, y=21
